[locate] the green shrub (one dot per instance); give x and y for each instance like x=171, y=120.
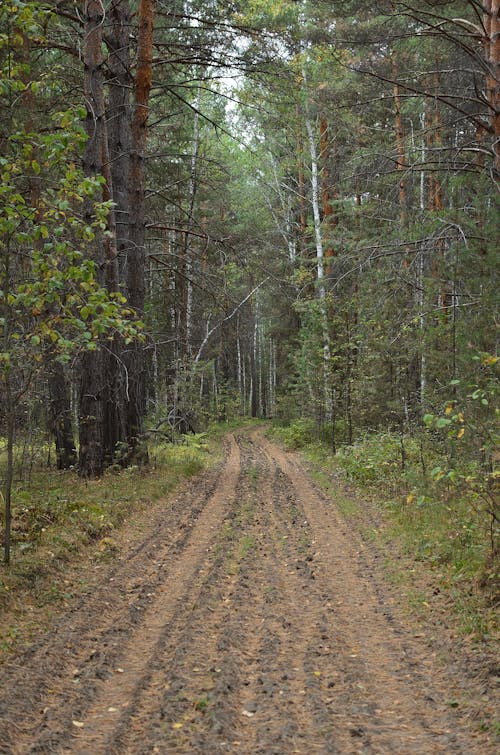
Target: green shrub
x=297, y=434
x=376, y=458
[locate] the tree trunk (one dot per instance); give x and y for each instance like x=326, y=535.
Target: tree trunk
x=254, y=405
x=327, y=196
x=187, y=313
x=9, y=472
x=90, y=416
x=118, y=141
x=91, y=459
x=8, y=400
x=60, y=416
x=119, y=121
x=301, y=186
x=491, y=24
x=320, y=258
x=401, y=165
x=320, y=262
x=136, y=254
x=421, y=285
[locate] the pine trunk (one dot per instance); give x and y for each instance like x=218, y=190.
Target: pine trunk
x=136, y=247
x=118, y=139
x=91, y=458
x=401, y=165
x=60, y=416
x=491, y=25
x=327, y=195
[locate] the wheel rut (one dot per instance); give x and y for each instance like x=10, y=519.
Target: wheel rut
x=246, y=621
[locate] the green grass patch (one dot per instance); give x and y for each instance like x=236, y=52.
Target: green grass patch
x=246, y=544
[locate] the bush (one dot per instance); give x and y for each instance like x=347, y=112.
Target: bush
x=297, y=434
x=377, y=458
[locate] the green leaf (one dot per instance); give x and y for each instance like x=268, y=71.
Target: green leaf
x=443, y=422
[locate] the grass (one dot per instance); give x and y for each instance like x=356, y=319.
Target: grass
x=246, y=544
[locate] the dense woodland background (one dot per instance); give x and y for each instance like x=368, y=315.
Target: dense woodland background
x=265, y=208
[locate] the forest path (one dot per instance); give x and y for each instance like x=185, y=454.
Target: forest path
x=247, y=619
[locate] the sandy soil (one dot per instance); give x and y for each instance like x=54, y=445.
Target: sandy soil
x=243, y=618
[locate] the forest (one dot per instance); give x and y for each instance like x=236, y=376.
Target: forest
x=249, y=375
x=281, y=210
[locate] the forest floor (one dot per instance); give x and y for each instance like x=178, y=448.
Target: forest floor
x=245, y=616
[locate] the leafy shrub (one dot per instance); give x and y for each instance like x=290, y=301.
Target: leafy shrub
x=297, y=434
x=377, y=458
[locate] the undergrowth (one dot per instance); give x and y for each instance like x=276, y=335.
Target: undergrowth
x=437, y=521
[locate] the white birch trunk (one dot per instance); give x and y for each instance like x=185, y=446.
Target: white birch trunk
x=318, y=235
x=320, y=261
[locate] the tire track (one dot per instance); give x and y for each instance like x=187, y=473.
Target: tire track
x=284, y=718
x=193, y=673
x=68, y=666
x=389, y=701
x=184, y=578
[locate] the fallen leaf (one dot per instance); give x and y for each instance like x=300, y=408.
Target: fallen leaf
x=78, y=724
x=177, y=725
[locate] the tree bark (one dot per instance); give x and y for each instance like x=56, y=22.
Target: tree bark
x=119, y=122
x=320, y=257
x=60, y=416
x=187, y=250
x=327, y=196
x=9, y=471
x=118, y=141
x=136, y=252
x=491, y=24
x=401, y=165
x=320, y=262
x=91, y=457
x=301, y=190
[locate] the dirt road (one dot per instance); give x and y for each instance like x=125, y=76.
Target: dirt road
x=245, y=619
